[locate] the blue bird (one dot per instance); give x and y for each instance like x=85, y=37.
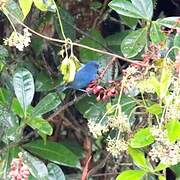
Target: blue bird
x=83, y=77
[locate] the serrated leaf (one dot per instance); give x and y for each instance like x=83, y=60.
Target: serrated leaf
x=41, y=125
x=23, y=83
x=48, y=103
x=170, y=22
x=131, y=174
x=25, y=6
x=37, y=168
x=154, y=109
x=142, y=138
x=134, y=42
x=54, y=152
x=126, y=8
x=155, y=33
x=55, y=172
x=173, y=129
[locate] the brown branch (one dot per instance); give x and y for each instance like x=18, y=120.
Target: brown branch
x=66, y=106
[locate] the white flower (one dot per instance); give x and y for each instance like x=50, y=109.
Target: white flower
x=120, y=122
x=173, y=111
x=116, y=146
x=145, y=86
x=167, y=153
x=18, y=40
x=163, y=150
x=97, y=129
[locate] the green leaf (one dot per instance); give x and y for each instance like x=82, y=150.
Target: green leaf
x=24, y=87
x=41, y=124
x=127, y=104
x=170, y=22
x=142, y=138
x=155, y=33
x=91, y=109
x=74, y=147
x=5, y=97
x=131, y=174
x=130, y=22
x=126, y=8
x=155, y=109
x=176, y=170
x=165, y=81
x=134, y=42
x=155, y=84
x=44, y=82
x=95, y=5
x=160, y=167
x=9, y=125
x=25, y=6
x=161, y=178
x=48, y=103
x=55, y=172
x=14, y=9
x=177, y=42
x=3, y=53
x=173, y=129
x=47, y=5
x=37, y=167
x=16, y=108
x=54, y=152
x=145, y=7
x=87, y=55
x=138, y=158
x=68, y=23
x=113, y=41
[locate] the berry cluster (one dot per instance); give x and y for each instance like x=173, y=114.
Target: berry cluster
x=101, y=93
x=19, y=171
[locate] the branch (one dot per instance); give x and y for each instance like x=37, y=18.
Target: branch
x=76, y=44
x=66, y=106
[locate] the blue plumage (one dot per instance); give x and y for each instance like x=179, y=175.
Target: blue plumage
x=83, y=77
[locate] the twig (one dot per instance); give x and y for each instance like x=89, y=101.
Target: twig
x=11, y=145
x=76, y=44
x=100, y=14
x=106, y=68
x=66, y=106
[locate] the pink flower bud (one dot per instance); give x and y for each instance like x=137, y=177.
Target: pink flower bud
x=97, y=89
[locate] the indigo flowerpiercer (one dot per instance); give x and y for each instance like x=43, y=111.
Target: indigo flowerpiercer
x=83, y=77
